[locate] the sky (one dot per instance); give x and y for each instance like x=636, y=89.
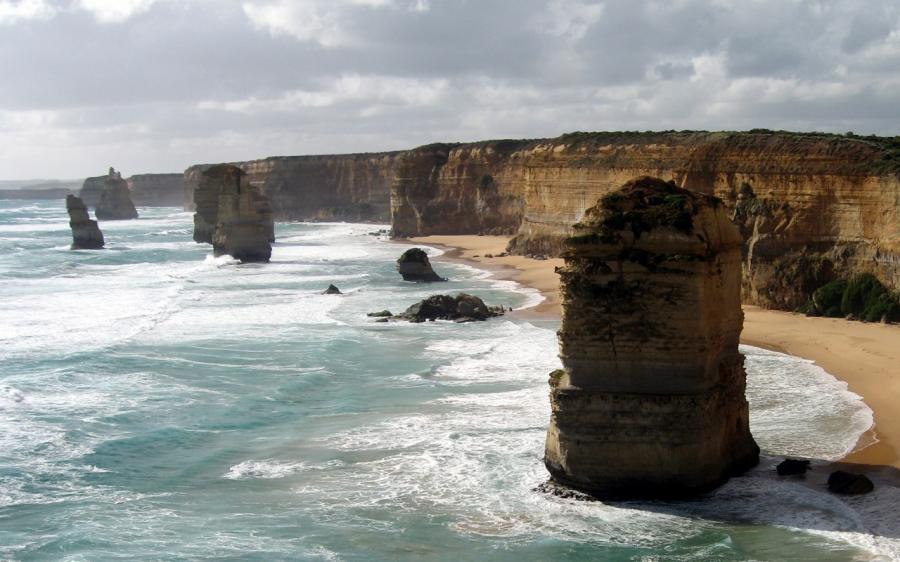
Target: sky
x=158, y=85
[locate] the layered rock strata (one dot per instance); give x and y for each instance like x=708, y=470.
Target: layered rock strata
x=345, y=187
x=86, y=234
x=413, y=265
x=812, y=207
x=115, y=199
x=157, y=190
x=650, y=401
x=233, y=216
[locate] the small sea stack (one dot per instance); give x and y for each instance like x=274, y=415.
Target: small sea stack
x=650, y=402
x=459, y=308
x=413, y=265
x=233, y=215
x=86, y=234
x=115, y=199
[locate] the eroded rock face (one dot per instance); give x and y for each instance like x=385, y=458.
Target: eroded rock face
x=115, y=199
x=232, y=215
x=651, y=398
x=86, y=234
x=413, y=265
x=157, y=190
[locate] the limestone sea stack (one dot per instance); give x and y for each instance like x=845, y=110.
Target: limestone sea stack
x=650, y=402
x=115, y=199
x=232, y=215
x=413, y=265
x=86, y=234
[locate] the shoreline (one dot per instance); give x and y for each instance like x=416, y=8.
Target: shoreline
x=864, y=356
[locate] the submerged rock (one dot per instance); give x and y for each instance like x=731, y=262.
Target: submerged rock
x=459, y=308
x=791, y=467
x=115, y=199
x=86, y=234
x=413, y=265
x=651, y=398
x=841, y=482
x=332, y=290
x=381, y=314
x=233, y=215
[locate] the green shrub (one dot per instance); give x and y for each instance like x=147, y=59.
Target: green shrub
x=862, y=297
x=827, y=298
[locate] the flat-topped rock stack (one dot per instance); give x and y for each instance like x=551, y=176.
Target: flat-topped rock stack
x=413, y=265
x=651, y=401
x=115, y=199
x=86, y=234
x=233, y=215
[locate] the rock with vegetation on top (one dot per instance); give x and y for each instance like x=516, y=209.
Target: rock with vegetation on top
x=115, y=199
x=413, y=265
x=460, y=308
x=232, y=215
x=841, y=482
x=650, y=402
x=86, y=234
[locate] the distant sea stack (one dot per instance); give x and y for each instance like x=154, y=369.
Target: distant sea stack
x=86, y=234
x=115, y=199
x=232, y=215
x=650, y=401
x=413, y=265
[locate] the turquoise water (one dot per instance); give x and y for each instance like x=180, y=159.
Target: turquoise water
x=157, y=403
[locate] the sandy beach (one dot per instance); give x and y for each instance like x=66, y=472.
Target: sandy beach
x=865, y=356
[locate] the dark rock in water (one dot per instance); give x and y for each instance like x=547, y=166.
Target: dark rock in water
x=789, y=467
x=461, y=308
x=332, y=290
x=841, y=482
x=413, y=265
x=381, y=314
x=233, y=215
x=115, y=199
x=86, y=234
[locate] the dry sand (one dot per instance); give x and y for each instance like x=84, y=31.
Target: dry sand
x=865, y=356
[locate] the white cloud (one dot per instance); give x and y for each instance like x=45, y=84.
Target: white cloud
x=13, y=11
x=115, y=11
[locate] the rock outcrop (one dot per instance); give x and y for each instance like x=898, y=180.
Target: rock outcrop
x=332, y=290
x=414, y=265
x=232, y=215
x=91, y=190
x=115, y=199
x=651, y=398
x=157, y=190
x=344, y=187
x=460, y=308
x=86, y=234
x=842, y=482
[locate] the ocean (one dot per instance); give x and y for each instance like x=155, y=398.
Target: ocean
x=157, y=403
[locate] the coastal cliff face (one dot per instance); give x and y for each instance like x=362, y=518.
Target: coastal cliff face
x=157, y=190
x=812, y=207
x=91, y=190
x=350, y=187
x=651, y=398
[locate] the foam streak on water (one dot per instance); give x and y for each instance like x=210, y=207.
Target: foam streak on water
x=156, y=402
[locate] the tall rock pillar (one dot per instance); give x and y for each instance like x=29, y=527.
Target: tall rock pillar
x=115, y=199
x=651, y=398
x=86, y=234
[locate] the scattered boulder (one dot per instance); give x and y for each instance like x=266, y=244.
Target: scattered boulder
x=332, y=290
x=115, y=199
x=233, y=215
x=413, y=265
x=842, y=482
x=381, y=314
x=791, y=467
x=86, y=234
x=460, y=308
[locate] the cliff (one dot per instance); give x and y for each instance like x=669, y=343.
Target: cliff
x=86, y=234
x=650, y=401
x=91, y=190
x=348, y=187
x=157, y=190
x=233, y=215
x=812, y=207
